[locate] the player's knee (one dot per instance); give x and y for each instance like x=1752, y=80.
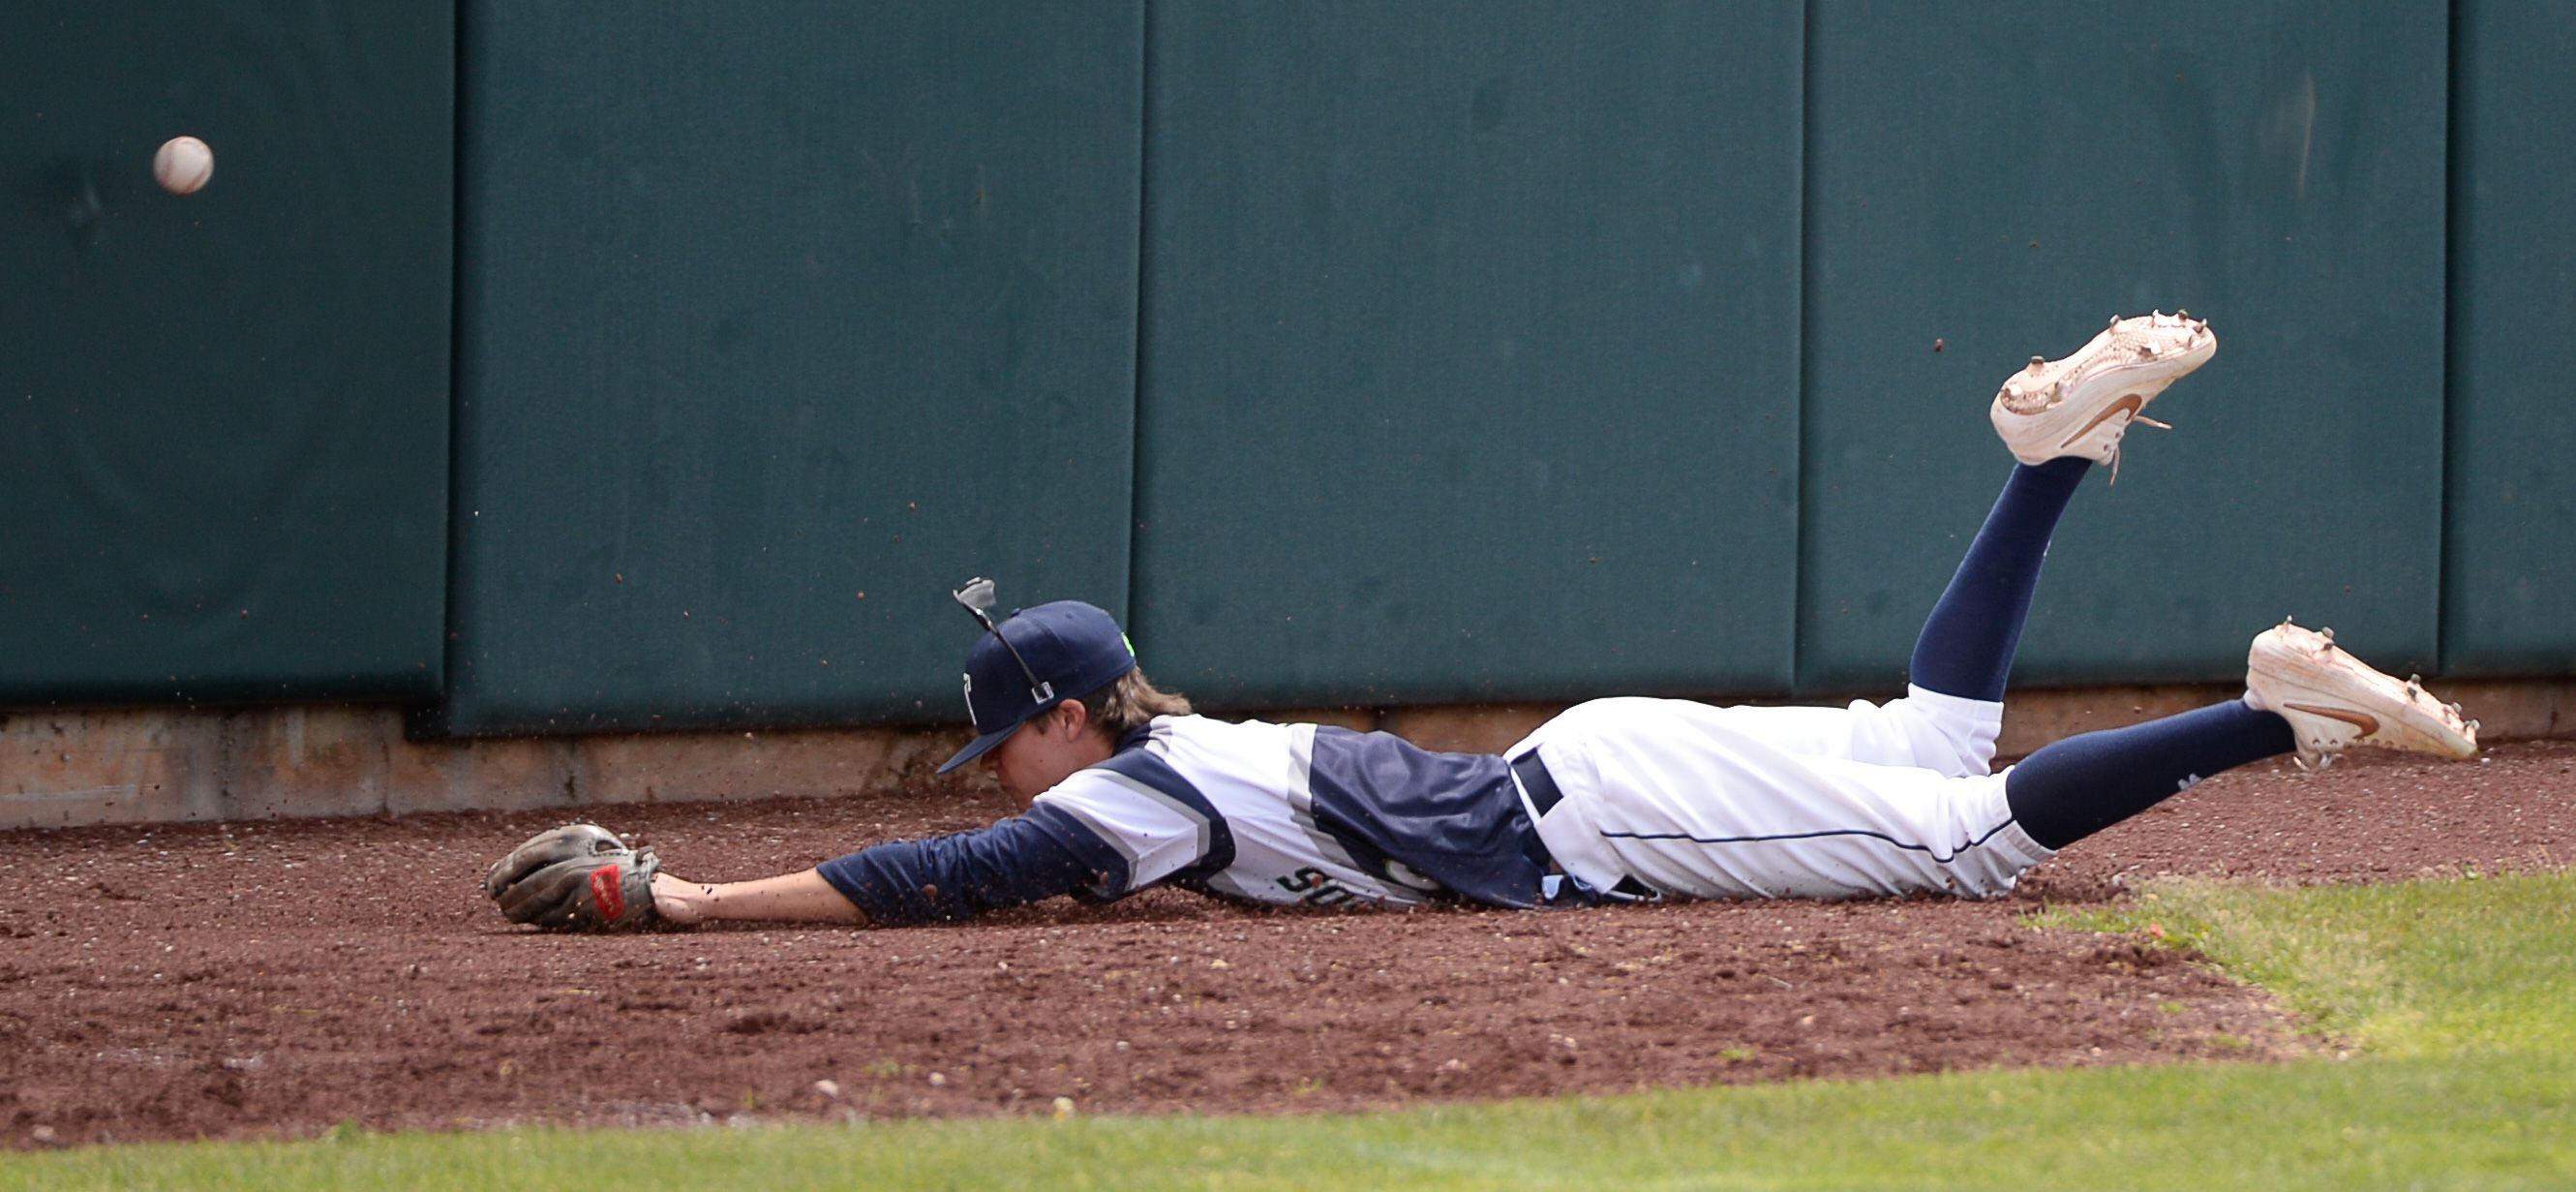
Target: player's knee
x=1953, y=736
x=1954, y=752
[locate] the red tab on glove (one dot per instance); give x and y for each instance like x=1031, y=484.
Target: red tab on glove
x=608, y=889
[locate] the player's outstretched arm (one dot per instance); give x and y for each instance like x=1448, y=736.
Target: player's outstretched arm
x=903, y=882
x=582, y=877
x=788, y=898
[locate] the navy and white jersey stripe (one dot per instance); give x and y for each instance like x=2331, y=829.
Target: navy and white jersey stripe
x=1295, y=813
x=1449, y=820
x=1160, y=818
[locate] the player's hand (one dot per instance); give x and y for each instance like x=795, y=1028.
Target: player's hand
x=679, y=901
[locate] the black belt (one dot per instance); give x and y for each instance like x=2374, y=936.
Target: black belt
x=1544, y=795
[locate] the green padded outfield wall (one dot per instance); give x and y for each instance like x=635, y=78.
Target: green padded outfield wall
x=2509, y=602
x=224, y=465
x=1989, y=182
x=1469, y=365
x=776, y=321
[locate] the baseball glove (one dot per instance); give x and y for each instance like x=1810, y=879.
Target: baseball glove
x=579, y=877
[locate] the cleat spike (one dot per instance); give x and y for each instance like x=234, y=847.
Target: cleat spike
x=2143, y=420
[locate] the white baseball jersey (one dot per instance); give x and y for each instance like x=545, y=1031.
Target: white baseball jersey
x=1282, y=813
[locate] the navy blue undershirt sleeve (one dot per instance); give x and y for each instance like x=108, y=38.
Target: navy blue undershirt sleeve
x=1020, y=860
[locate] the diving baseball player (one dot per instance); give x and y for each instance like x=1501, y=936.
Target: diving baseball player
x=1616, y=799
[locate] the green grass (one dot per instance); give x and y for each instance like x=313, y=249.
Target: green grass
x=2457, y=997
x=2413, y=969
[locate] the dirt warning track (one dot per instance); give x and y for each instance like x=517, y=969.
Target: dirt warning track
x=277, y=978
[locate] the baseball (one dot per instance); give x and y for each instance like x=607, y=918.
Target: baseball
x=183, y=165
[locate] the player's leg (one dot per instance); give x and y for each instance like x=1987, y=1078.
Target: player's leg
x=1674, y=795
x=2059, y=419
x=2302, y=693
x=1953, y=707
x=1967, y=643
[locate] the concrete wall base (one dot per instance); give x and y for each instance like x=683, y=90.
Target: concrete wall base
x=155, y=765
x=113, y=766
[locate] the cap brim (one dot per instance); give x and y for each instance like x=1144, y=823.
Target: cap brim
x=975, y=748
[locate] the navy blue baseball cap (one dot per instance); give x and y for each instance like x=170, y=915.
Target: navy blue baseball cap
x=1037, y=659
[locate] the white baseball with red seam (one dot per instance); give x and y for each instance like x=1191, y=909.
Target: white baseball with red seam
x=183, y=165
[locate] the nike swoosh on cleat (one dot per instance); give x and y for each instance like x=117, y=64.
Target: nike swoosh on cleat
x=2364, y=721
x=2126, y=405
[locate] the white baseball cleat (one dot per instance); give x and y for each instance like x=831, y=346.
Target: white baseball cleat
x=2334, y=701
x=2081, y=405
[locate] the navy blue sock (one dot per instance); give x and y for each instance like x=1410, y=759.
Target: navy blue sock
x=1966, y=648
x=2083, y=784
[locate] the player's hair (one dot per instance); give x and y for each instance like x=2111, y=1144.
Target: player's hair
x=1126, y=705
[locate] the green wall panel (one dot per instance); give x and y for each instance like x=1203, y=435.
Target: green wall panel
x=776, y=322
x=1469, y=366
x=1986, y=183
x=224, y=470
x=2509, y=600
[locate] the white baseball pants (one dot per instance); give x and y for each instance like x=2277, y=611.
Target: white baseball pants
x=1701, y=801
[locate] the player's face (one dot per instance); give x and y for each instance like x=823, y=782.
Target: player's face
x=1043, y=753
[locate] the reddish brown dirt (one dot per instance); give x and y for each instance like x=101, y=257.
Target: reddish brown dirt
x=277, y=978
